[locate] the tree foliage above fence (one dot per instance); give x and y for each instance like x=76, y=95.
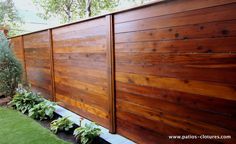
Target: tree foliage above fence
x=71, y=10
x=9, y=17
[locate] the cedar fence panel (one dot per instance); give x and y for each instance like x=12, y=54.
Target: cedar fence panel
x=175, y=69
x=80, y=68
x=18, y=49
x=167, y=68
x=37, y=59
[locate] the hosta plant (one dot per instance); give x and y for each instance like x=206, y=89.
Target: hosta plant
x=87, y=134
x=24, y=100
x=43, y=110
x=61, y=124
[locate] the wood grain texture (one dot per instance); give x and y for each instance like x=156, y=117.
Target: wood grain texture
x=82, y=71
x=150, y=72
x=166, y=8
x=111, y=71
x=52, y=65
x=18, y=49
x=175, y=71
x=38, y=63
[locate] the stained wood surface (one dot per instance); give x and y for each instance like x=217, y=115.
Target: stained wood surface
x=50, y=43
x=150, y=72
x=37, y=59
x=111, y=72
x=18, y=49
x=81, y=69
x=175, y=69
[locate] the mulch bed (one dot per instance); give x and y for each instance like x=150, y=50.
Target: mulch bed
x=4, y=101
x=68, y=136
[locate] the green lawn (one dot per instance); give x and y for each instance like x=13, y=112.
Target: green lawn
x=16, y=128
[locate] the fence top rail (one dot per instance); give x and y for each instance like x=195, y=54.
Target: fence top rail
x=95, y=17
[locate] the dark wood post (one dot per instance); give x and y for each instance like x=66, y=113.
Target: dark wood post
x=24, y=60
x=111, y=73
x=51, y=64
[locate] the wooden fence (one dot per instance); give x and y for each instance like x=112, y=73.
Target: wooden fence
x=167, y=68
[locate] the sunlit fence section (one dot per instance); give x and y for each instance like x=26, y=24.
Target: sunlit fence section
x=160, y=70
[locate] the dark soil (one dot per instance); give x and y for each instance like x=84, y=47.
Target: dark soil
x=68, y=136
x=4, y=101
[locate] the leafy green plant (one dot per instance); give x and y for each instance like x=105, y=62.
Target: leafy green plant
x=62, y=123
x=10, y=68
x=43, y=110
x=24, y=100
x=87, y=134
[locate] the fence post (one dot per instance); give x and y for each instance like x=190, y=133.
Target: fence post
x=51, y=64
x=24, y=60
x=111, y=72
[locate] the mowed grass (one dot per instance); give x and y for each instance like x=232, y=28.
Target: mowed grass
x=16, y=128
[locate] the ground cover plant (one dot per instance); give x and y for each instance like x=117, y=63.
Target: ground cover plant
x=24, y=100
x=43, y=110
x=17, y=128
x=10, y=68
x=60, y=124
x=87, y=134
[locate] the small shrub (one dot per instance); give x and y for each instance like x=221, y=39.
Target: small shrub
x=87, y=134
x=43, y=110
x=10, y=68
x=61, y=124
x=24, y=100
